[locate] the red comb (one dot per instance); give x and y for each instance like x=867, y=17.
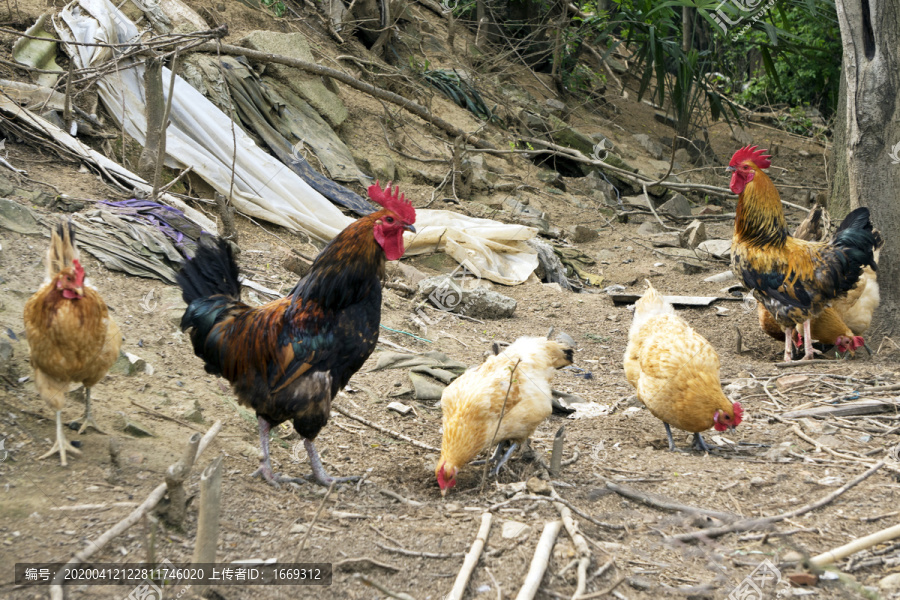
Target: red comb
x=396, y=202
x=79, y=272
x=738, y=412
x=758, y=157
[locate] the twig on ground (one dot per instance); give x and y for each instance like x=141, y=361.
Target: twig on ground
x=396, y=496
x=581, y=545
x=167, y=417
x=94, y=546
x=406, y=552
x=315, y=518
x=608, y=590
x=472, y=556
x=803, y=363
x=382, y=589
x=574, y=509
x=862, y=543
x=539, y=561
x=384, y=430
x=763, y=522
x=819, y=447
x=661, y=503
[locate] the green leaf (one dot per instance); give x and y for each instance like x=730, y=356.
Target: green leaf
x=770, y=66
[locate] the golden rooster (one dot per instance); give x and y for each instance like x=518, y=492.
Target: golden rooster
x=795, y=279
x=70, y=333
x=514, y=385
x=675, y=372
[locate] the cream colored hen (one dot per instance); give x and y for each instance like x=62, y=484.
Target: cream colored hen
x=472, y=405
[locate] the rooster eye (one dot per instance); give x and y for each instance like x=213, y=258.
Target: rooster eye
x=389, y=219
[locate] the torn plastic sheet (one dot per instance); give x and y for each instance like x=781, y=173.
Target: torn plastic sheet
x=200, y=136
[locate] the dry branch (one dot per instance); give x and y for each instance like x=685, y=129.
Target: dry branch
x=764, y=522
x=472, y=556
x=661, y=503
x=175, y=476
x=389, y=432
x=155, y=108
x=377, y=92
x=581, y=545
x=539, y=561
x=208, y=517
x=862, y=543
x=94, y=546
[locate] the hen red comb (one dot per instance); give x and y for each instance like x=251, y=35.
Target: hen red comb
x=759, y=157
x=738, y=412
x=396, y=202
x=79, y=272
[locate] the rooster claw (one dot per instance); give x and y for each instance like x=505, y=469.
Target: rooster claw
x=275, y=479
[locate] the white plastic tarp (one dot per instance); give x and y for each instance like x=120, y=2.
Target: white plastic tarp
x=200, y=136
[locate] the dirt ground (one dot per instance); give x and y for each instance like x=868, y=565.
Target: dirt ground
x=762, y=468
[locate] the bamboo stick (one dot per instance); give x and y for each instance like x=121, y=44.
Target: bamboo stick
x=540, y=561
x=472, y=556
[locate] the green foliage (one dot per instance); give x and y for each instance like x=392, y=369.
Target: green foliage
x=277, y=7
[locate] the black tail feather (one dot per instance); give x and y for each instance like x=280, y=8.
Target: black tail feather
x=211, y=272
x=857, y=238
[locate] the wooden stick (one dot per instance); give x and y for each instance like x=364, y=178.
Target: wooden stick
x=862, y=543
x=315, y=518
x=539, y=561
x=556, y=455
x=764, y=522
x=562, y=500
x=666, y=504
x=175, y=476
x=581, y=545
x=472, y=556
x=167, y=417
x=208, y=518
x=94, y=546
x=406, y=552
x=820, y=447
x=378, y=427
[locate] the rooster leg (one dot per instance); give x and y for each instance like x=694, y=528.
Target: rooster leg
x=807, y=342
x=671, y=441
x=88, y=420
x=62, y=444
x=788, y=344
x=504, y=458
x=699, y=444
x=319, y=474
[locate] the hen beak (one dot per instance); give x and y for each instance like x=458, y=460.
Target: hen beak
x=443, y=493
x=410, y=228
x=730, y=169
x=79, y=291
x=869, y=350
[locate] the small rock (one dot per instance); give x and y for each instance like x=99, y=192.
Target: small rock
x=803, y=579
x=582, y=234
x=790, y=381
x=18, y=218
x=694, y=235
x=6, y=360
x=689, y=267
x=554, y=106
x=513, y=529
x=804, y=153
x=677, y=206
x=640, y=583
x=487, y=304
x=654, y=148
x=399, y=407
x=538, y=486
x=556, y=304
x=649, y=228
x=757, y=481
x=891, y=583
x=665, y=240
x=683, y=156
x=717, y=248
x=123, y=423
x=791, y=556
x=194, y=414
x=296, y=265
x=710, y=209
x=130, y=364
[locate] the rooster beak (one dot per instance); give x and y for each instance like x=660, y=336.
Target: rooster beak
x=729, y=169
x=410, y=228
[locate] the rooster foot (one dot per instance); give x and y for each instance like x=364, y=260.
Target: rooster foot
x=319, y=475
x=275, y=479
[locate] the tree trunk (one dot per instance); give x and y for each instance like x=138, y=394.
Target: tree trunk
x=686, y=19
x=839, y=202
x=870, y=32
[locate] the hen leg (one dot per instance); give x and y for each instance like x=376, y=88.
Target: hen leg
x=62, y=444
x=789, y=344
x=88, y=420
x=669, y=435
x=265, y=465
x=504, y=458
x=498, y=452
x=699, y=444
x=321, y=477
